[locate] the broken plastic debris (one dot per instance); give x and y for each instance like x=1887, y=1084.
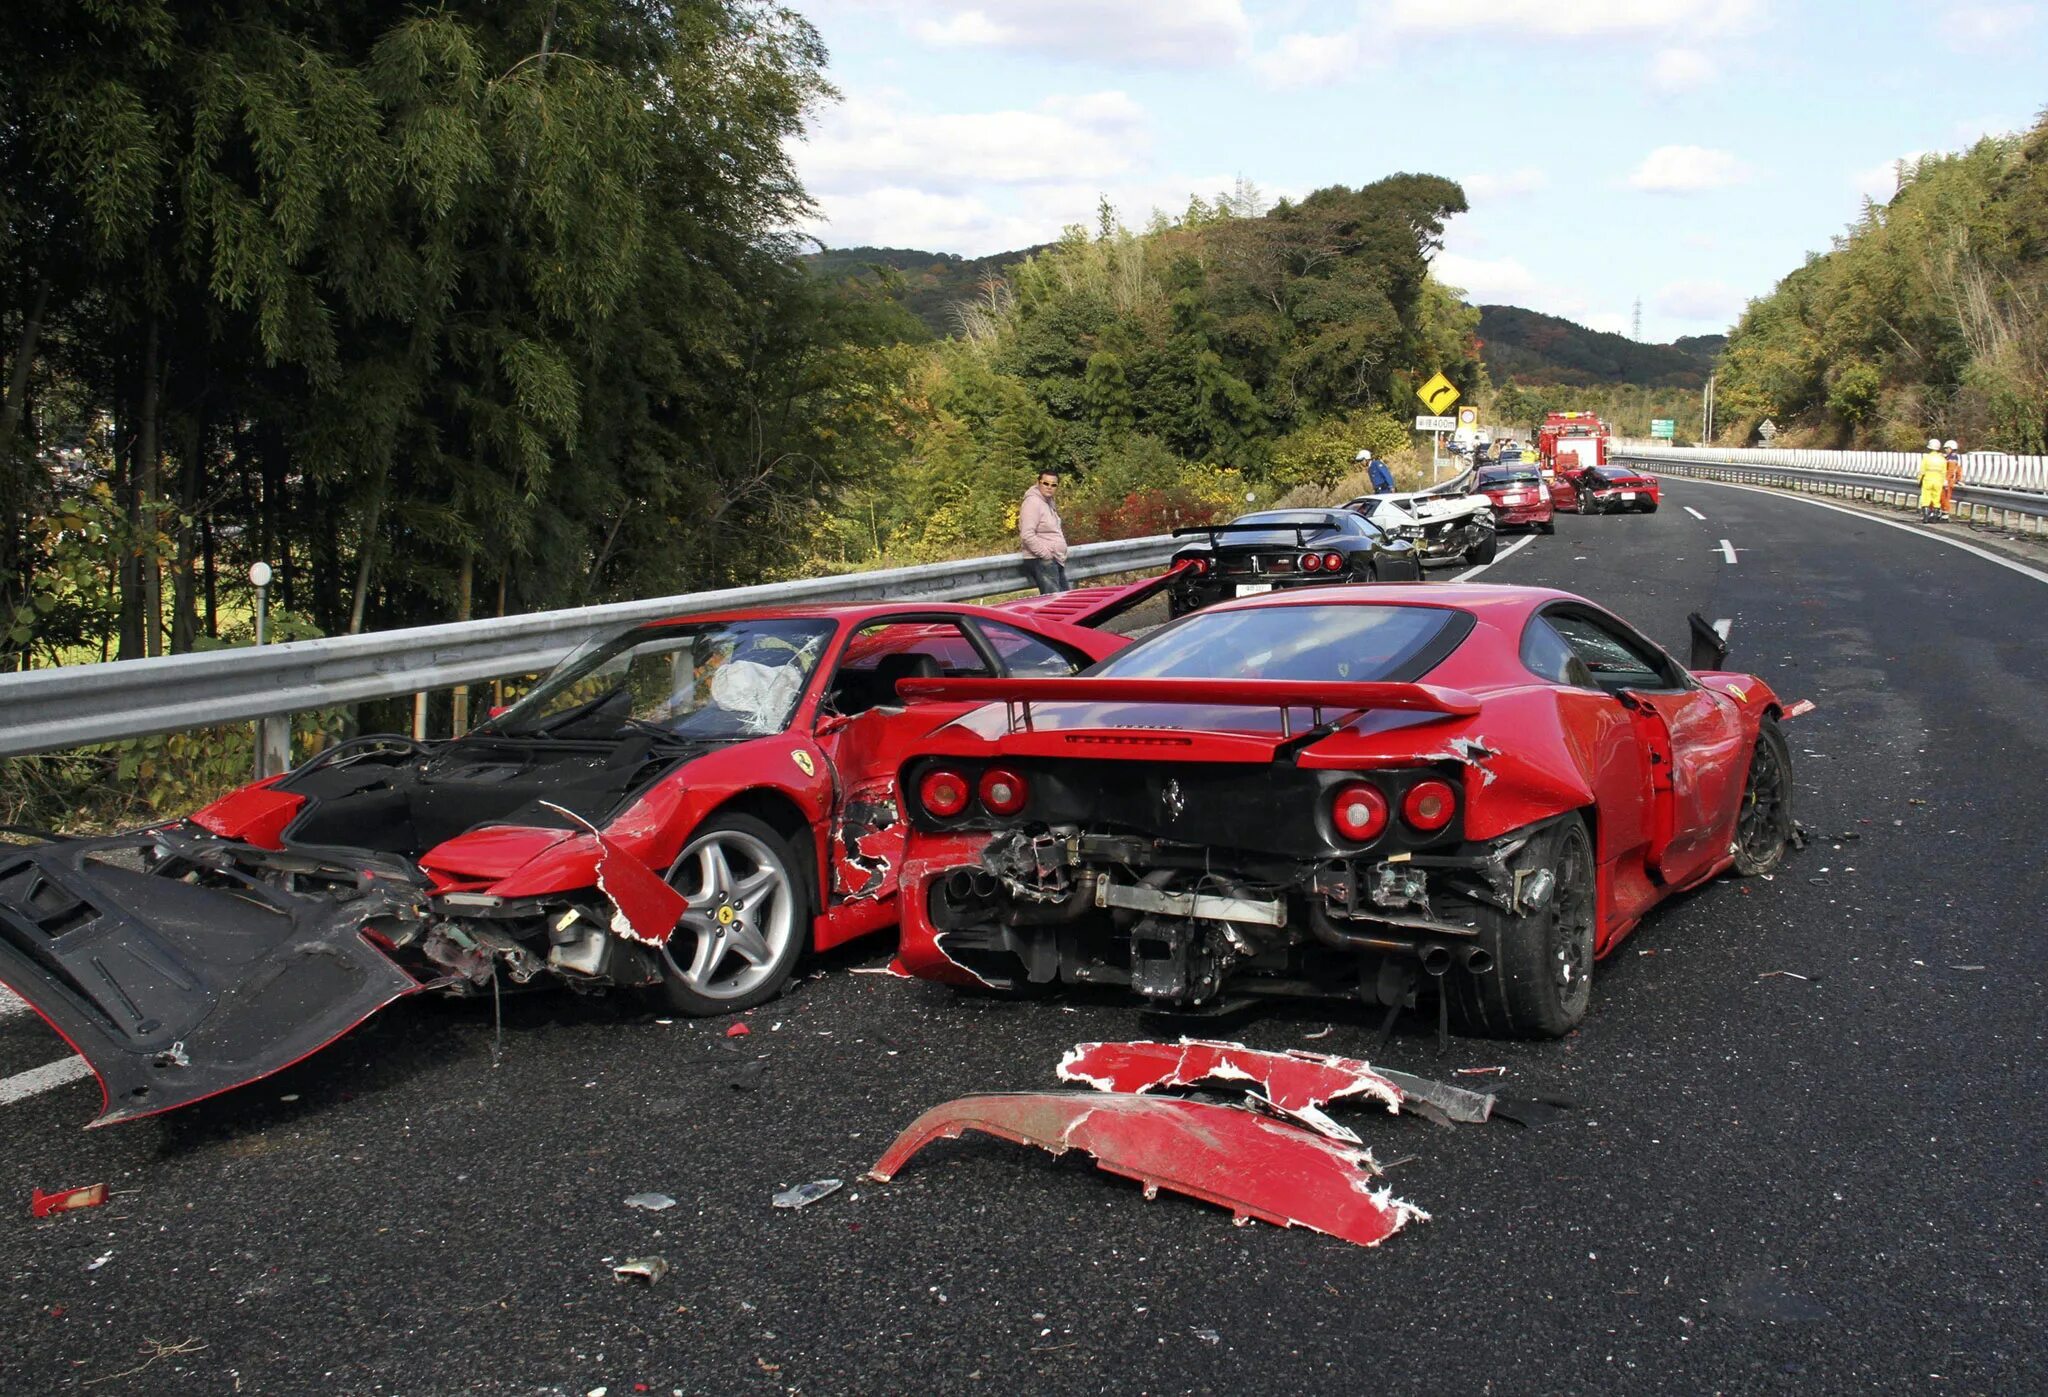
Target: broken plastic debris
x=645, y=1269
x=803, y=1195
x=65, y=1200
x=1482, y=1071
x=738, y=1030
x=1788, y=974
x=651, y=1202
x=1258, y=1168
x=1799, y=709
x=102, y=1259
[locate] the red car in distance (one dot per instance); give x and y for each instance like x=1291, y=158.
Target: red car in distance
x=1342, y=792
x=1521, y=498
x=1605, y=490
x=683, y=807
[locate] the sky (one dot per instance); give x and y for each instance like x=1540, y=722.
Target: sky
x=1681, y=153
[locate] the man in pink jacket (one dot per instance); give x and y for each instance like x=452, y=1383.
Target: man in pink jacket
x=1038, y=529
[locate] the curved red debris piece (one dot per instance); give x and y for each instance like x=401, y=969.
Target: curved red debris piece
x=1257, y=1168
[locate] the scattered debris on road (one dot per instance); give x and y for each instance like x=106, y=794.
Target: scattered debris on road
x=645, y=1269
x=1788, y=974
x=803, y=1195
x=651, y=1202
x=738, y=1030
x=1254, y=1166
x=102, y=1259
x=1482, y=1071
x=65, y=1200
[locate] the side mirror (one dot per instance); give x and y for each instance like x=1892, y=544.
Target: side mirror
x=1709, y=650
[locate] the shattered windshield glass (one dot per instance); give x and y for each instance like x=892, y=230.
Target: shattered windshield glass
x=709, y=680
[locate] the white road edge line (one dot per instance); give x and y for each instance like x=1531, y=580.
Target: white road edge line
x=1723, y=626
x=1695, y=513
x=1986, y=554
x=1523, y=542
x=50, y=1075
x=1727, y=550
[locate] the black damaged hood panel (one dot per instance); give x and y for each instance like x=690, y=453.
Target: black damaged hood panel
x=173, y=990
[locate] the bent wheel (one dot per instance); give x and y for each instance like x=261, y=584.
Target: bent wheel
x=750, y=911
x=1486, y=550
x=1763, y=829
x=1541, y=983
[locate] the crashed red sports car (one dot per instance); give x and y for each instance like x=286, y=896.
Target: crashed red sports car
x=683, y=807
x=1340, y=792
x=1605, y=490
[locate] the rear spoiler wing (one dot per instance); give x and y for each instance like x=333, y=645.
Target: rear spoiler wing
x=1300, y=531
x=1346, y=698
x=1095, y=607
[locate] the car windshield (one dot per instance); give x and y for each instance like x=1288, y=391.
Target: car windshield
x=1337, y=643
x=713, y=680
x=1521, y=475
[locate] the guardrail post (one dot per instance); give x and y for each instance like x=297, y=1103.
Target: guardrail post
x=273, y=746
x=419, y=717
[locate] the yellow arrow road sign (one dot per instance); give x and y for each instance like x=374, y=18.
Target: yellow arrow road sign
x=1438, y=393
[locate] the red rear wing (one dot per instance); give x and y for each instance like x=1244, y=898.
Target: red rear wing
x=1231, y=693
x=1094, y=606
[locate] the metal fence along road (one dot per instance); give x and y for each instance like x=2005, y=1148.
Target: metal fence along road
x=1995, y=485
x=48, y=710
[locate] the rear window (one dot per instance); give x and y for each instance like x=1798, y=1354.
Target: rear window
x=1489, y=480
x=1334, y=644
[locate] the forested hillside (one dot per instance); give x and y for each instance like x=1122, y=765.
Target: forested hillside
x=930, y=285
x=1929, y=316
x=1526, y=346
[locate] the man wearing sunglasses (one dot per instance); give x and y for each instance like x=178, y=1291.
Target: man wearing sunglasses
x=1038, y=529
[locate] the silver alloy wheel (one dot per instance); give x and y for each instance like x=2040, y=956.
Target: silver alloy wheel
x=742, y=914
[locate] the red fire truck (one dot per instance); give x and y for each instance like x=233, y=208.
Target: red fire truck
x=1571, y=441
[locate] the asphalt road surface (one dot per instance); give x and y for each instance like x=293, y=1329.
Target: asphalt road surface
x=1828, y=1178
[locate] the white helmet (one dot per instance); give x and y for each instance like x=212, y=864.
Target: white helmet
x=1361, y=456
x=1948, y=446
x=1933, y=444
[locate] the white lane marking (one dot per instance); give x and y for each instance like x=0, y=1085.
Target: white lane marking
x=1727, y=550
x=1723, y=626
x=1523, y=542
x=1695, y=514
x=11, y=1003
x=1986, y=554
x=23, y=1085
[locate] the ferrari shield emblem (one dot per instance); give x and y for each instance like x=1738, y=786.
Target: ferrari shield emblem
x=804, y=763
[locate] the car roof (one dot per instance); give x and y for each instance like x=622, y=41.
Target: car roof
x=1453, y=596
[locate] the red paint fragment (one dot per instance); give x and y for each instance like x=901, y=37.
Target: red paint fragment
x=1257, y=1168
x=1298, y=1083
x=1799, y=709
x=65, y=1200
x=738, y=1030
x=648, y=907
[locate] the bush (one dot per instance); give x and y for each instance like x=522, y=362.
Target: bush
x=1320, y=455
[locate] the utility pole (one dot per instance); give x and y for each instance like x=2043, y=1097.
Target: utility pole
x=1636, y=334
x=1707, y=412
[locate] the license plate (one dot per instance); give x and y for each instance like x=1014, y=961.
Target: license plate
x=1252, y=589
x=1628, y=494
x=1514, y=499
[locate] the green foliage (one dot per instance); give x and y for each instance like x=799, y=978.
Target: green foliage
x=1319, y=455
x=1526, y=346
x=1928, y=317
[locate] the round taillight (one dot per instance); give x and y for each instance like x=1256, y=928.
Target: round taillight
x=1311, y=562
x=1003, y=791
x=1333, y=562
x=1429, y=805
x=943, y=793
x=1359, y=810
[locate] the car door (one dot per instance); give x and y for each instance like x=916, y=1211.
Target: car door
x=1689, y=736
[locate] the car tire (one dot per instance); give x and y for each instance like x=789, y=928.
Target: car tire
x=1649, y=509
x=1763, y=823
x=766, y=885
x=1540, y=981
x=1486, y=550
x=1548, y=526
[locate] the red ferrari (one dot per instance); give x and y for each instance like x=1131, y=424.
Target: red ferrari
x=1340, y=792
x=1604, y=490
x=683, y=807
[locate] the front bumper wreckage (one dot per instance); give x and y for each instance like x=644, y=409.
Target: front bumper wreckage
x=1277, y=1158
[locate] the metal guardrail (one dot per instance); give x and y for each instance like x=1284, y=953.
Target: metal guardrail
x=1888, y=475
x=50, y=709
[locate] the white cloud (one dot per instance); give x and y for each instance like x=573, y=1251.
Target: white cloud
x=1880, y=182
x=1610, y=322
x=1147, y=33
x=866, y=143
x=1680, y=70
x=1505, y=185
x=1574, y=18
x=1701, y=302
x=1971, y=27
x=893, y=216
x=1491, y=280
x=1313, y=60
x=1687, y=170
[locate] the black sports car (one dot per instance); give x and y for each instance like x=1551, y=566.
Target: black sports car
x=1280, y=548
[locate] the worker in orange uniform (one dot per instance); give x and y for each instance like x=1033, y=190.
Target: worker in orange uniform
x=1954, y=458
x=1933, y=479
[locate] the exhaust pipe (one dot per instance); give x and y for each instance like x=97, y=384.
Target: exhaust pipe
x=1436, y=958
x=969, y=884
x=1478, y=960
